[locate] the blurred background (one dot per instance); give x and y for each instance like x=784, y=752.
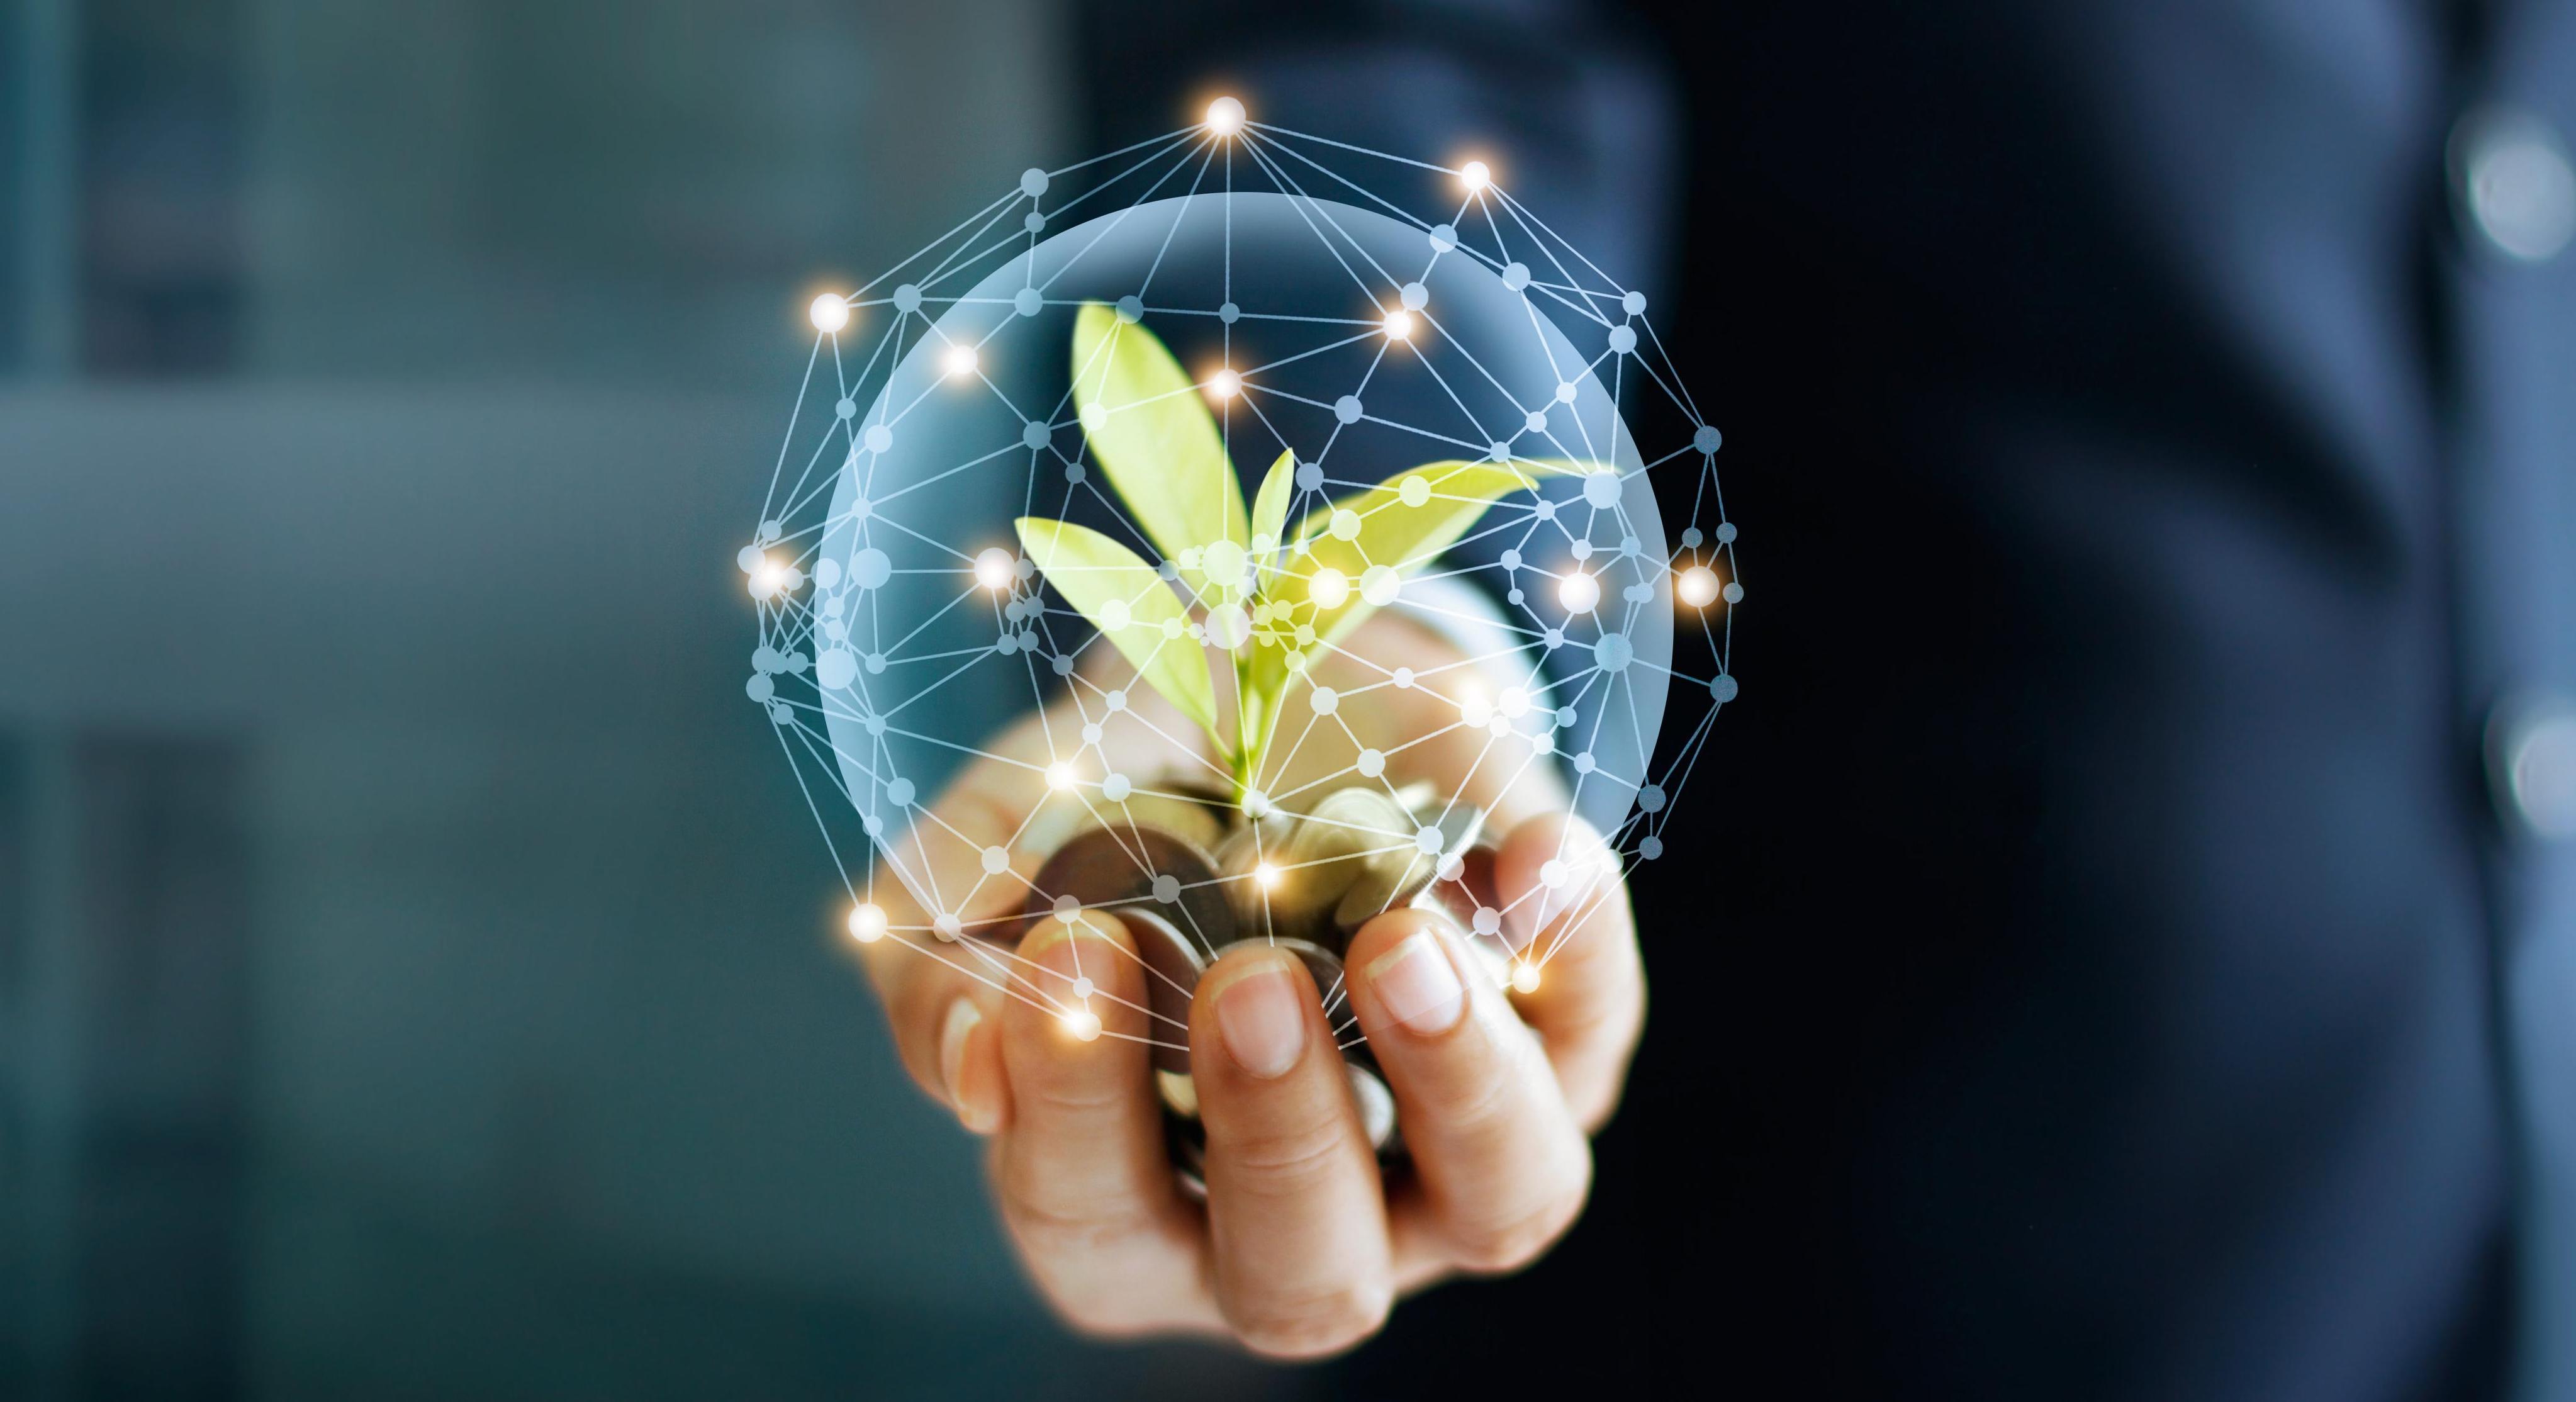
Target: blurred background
x=416, y=965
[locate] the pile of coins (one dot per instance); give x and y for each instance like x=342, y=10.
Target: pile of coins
x=1188, y=874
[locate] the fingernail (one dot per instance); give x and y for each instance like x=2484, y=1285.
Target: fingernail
x=954, y=1028
x=1417, y=985
x=1260, y=1017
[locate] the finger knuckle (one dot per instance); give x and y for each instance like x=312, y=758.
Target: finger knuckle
x=1282, y=1161
x=1048, y=1231
x=1525, y=1230
x=1318, y=1323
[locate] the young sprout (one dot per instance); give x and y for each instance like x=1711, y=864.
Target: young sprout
x=1268, y=597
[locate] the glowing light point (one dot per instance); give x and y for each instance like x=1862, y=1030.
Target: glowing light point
x=1524, y=977
x=1059, y=777
x=1083, y=1023
x=960, y=361
x=829, y=312
x=1578, y=591
x=993, y=568
x=1475, y=175
x=1266, y=876
x=1698, y=586
x=867, y=923
x=1225, y=384
x=1225, y=116
x=1399, y=326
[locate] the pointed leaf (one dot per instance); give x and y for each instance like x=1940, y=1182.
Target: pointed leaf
x=1388, y=532
x=1334, y=571
x=1131, y=605
x=1270, y=509
x=1154, y=438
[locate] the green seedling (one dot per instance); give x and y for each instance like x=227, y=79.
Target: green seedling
x=1269, y=599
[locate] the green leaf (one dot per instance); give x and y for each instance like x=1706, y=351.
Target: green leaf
x=1327, y=588
x=1270, y=508
x=1155, y=439
x=1389, y=532
x=1131, y=606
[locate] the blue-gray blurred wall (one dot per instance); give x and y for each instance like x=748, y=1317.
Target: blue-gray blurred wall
x=416, y=965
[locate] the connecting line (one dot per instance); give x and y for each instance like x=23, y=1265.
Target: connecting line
x=815, y=642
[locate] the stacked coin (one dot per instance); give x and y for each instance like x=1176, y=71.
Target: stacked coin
x=1188, y=875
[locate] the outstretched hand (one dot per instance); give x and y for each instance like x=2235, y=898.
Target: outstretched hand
x=1301, y=1246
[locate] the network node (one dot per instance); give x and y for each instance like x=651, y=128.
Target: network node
x=867, y=923
x=1475, y=175
x=830, y=312
x=1697, y=586
x=1579, y=592
x=960, y=361
x=1225, y=116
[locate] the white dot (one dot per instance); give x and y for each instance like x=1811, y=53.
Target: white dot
x=1415, y=295
x=1426, y=840
x=994, y=568
x=1225, y=116
x=1059, y=777
x=960, y=361
x=1565, y=391
x=1114, y=701
x=1698, y=586
x=1578, y=592
x=1083, y=1023
x=1378, y=585
x=1413, y=490
x=1255, y=802
x=1225, y=384
x=1228, y=627
x=1634, y=303
x=1114, y=788
x=1403, y=678
x=1475, y=175
x=1516, y=276
x=1524, y=977
x=996, y=860
x=879, y=438
x=1398, y=325
x=1033, y=182
x=1372, y=763
x=1535, y=421
x=1601, y=489
x=867, y=923
x=1488, y=920
x=1266, y=876
x=830, y=312
x=1344, y=524
x=1324, y=700
x=1552, y=874
x=947, y=926
x=2521, y=189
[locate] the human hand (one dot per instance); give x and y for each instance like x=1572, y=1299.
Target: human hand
x=1300, y=1247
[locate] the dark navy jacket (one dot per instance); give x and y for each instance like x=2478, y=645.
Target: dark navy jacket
x=2108, y=959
